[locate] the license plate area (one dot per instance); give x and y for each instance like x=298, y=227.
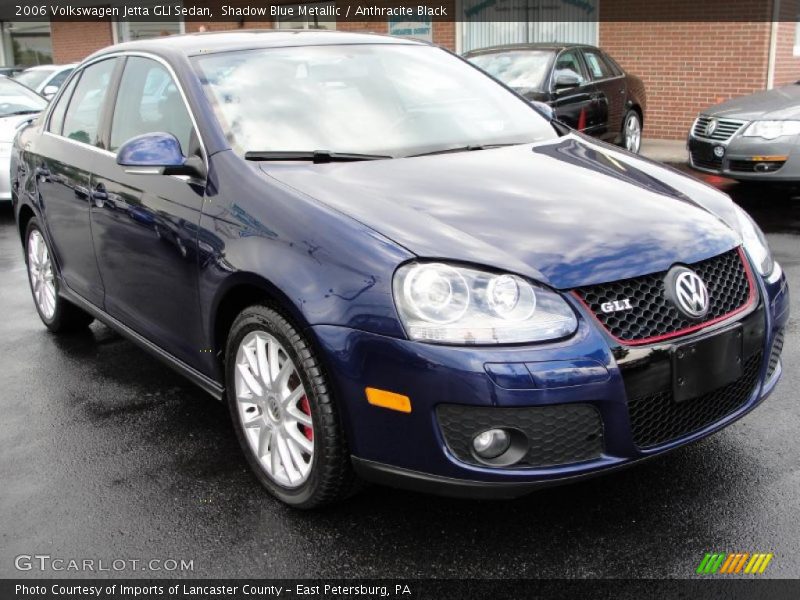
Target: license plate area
x=704, y=365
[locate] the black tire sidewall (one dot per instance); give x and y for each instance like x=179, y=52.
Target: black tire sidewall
x=269, y=321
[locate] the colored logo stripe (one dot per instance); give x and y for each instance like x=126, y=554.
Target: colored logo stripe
x=737, y=562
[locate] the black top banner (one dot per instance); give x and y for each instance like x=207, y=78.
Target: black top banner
x=343, y=11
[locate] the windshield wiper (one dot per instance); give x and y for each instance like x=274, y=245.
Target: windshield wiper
x=316, y=156
x=470, y=148
x=21, y=112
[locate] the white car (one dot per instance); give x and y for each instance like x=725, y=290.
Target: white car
x=45, y=79
x=18, y=104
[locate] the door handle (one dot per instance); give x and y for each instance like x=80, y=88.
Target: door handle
x=99, y=195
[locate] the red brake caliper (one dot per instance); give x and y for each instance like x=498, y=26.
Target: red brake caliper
x=304, y=406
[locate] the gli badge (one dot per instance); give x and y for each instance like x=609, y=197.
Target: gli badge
x=687, y=291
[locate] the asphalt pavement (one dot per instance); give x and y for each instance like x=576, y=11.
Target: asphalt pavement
x=107, y=454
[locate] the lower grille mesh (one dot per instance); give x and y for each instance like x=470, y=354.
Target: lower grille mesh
x=657, y=419
x=557, y=434
x=775, y=354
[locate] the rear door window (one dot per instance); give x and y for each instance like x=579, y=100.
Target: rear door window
x=60, y=109
x=597, y=65
x=82, y=121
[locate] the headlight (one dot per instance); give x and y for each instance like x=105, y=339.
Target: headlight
x=770, y=130
x=755, y=243
x=447, y=304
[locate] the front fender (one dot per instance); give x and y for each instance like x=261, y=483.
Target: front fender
x=320, y=265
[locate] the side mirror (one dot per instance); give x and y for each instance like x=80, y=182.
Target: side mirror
x=567, y=79
x=545, y=109
x=49, y=91
x=158, y=154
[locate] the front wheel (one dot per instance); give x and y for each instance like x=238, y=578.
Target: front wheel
x=56, y=313
x=283, y=412
x=632, y=132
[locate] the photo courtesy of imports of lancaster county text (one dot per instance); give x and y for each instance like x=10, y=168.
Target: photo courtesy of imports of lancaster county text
x=334, y=299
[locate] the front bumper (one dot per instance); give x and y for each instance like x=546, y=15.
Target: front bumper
x=411, y=449
x=748, y=158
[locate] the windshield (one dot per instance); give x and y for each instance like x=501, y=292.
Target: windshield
x=381, y=99
x=17, y=99
x=519, y=69
x=33, y=77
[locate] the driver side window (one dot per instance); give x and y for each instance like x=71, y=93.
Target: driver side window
x=568, y=62
x=149, y=101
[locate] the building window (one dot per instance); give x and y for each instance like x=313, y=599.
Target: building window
x=26, y=44
x=129, y=31
x=308, y=15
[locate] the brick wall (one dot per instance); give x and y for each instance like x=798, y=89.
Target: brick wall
x=73, y=42
x=787, y=66
x=688, y=65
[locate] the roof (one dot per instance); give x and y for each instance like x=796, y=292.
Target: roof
x=554, y=46
x=248, y=39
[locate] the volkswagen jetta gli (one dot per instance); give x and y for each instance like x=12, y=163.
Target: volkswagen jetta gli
x=390, y=266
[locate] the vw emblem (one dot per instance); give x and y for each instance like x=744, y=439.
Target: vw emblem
x=711, y=127
x=687, y=291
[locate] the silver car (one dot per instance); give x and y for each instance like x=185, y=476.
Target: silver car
x=18, y=104
x=45, y=79
x=752, y=138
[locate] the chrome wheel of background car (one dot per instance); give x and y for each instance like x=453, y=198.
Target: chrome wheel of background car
x=274, y=409
x=40, y=271
x=633, y=133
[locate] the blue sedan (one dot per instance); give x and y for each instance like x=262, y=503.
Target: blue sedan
x=390, y=266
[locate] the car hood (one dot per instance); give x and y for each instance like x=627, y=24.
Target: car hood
x=780, y=104
x=567, y=212
x=9, y=125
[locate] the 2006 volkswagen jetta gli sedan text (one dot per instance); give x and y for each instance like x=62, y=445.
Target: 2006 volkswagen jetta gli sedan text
x=390, y=266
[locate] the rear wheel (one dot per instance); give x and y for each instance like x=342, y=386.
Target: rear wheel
x=56, y=313
x=632, y=132
x=285, y=418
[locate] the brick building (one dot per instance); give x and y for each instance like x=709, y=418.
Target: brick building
x=690, y=55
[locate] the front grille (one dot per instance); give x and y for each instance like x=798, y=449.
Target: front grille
x=557, y=434
x=652, y=314
x=714, y=163
x=657, y=419
x=775, y=354
x=724, y=130
x=749, y=166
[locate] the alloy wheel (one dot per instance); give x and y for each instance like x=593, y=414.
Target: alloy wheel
x=274, y=410
x=633, y=133
x=40, y=271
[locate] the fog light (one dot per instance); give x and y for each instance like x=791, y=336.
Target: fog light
x=491, y=443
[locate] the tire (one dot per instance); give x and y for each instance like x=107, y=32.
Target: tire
x=58, y=315
x=270, y=425
x=632, y=132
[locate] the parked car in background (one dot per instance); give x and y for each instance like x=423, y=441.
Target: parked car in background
x=751, y=138
x=11, y=71
x=45, y=79
x=17, y=105
x=450, y=292
x=584, y=86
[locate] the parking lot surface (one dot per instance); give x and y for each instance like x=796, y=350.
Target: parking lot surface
x=107, y=454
